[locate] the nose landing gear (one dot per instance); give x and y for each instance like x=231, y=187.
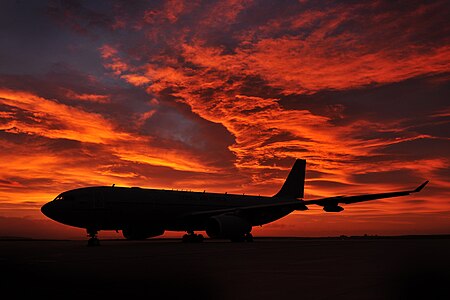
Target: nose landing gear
x=93, y=241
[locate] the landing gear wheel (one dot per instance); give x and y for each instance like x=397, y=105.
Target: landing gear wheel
x=199, y=238
x=191, y=237
x=237, y=239
x=93, y=241
x=249, y=238
x=185, y=238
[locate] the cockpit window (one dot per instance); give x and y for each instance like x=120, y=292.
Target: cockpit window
x=65, y=197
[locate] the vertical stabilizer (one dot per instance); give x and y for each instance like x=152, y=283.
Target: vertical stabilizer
x=294, y=185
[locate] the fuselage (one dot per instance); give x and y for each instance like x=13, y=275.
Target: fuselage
x=119, y=208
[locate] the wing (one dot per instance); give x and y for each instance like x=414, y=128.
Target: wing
x=329, y=205
x=294, y=205
x=334, y=201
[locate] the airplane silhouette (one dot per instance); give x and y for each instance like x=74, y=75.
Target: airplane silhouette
x=142, y=213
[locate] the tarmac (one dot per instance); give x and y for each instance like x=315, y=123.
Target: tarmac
x=268, y=268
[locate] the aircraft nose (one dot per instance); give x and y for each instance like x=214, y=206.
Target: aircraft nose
x=47, y=209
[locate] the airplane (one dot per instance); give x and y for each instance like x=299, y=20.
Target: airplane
x=143, y=213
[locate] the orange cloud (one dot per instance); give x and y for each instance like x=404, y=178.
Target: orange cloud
x=298, y=66
x=87, y=97
x=54, y=121
x=136, y=79
x=317, y=68
x=71, y=123
x=108, y=51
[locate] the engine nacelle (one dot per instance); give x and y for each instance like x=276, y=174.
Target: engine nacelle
x=133, y=233
x=333, y=208
x=227, y=226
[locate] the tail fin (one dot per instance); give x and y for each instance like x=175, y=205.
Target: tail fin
x=293, y=187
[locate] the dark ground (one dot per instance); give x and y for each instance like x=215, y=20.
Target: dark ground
x=383, y=268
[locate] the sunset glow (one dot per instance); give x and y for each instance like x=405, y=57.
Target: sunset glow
x=223, y=96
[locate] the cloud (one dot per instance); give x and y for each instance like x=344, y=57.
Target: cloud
x=226, y=94
x=55, y=120
x=65, y=146
x=301, y=53
x=88, y=97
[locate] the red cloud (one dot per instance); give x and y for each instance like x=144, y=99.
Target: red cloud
x=230, y=64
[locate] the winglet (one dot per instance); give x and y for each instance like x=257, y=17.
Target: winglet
x=420, y=187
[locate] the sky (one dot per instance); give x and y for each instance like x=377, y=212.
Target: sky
x=223, y=96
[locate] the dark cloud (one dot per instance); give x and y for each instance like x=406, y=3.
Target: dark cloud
x=82, y=17
x=35, y=41
x=415, y=99
x=404, y=177
x=180, y=128
x=416, y=149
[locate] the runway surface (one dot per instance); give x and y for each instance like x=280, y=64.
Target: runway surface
x=266, y=269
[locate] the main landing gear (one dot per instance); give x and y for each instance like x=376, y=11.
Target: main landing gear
x=191, y=237
x=93, y=241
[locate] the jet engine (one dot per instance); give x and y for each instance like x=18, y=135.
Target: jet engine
x=133, y=233
x=333, y=208
x=227, y=226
